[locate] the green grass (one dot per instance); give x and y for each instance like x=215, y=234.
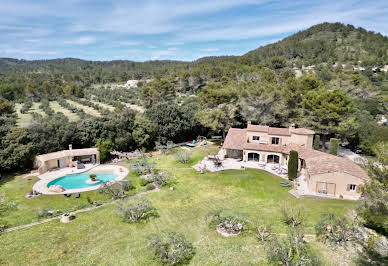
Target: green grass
x=24, y=120
x=87, y=109
x=100, y=237
x=57, y=108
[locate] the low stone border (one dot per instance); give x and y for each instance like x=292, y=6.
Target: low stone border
x=41, y=185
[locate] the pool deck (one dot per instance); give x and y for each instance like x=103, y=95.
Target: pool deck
x=41, y=185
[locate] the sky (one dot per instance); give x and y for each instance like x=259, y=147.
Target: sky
x=167, y=29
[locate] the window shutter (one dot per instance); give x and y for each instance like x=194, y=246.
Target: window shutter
x=348, y=187
x=357, y=189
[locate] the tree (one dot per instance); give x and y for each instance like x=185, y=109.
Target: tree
x=170, y=248
x=262, y=103
x=291, y=250
x=293, y=165
x=374, y=194
x=159, y=90
x=333, y=148
x=133, y=210
x=327, y=112
x=144, y=131
x=219, y=119
x=104, y=147
x=5, y=107
x=317, y=139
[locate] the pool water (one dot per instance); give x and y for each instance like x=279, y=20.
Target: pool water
x=76, y=181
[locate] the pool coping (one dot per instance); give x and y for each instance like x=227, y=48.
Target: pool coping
x=41, y=185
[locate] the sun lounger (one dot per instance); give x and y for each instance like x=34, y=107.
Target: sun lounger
x=191, y=144
x=77, y=195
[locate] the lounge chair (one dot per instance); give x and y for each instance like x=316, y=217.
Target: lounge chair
x=77, y=195
x=191, y=144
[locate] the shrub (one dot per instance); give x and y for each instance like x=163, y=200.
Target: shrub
x=263, y=231
x=230, y=224
x=135, y=209
x=92, y=176
x=317, y=139
x=335, y=230
x=144, y=181
x=183, y=156
x=293, y=216
x=3, y=225
x=291, y=250
x=170, y=248
x=6, y=205
x=333, y=148
x=150, y=186
x=142, y=166
x=161, y=178
x=116, y=190
x=47, y=212
x=293, y=165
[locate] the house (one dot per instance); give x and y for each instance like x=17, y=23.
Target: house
x=321, y=174
x=66, y=158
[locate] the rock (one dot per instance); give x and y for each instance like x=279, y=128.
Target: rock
x=171, y=188
x=97, y=203
x=56, y=188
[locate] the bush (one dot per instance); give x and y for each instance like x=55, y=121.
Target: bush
x=183, y=156
x=333, y=148
x=291, y=250
x=150, y=186
x=92, y=176
x=335, y=230
x=161, y=178
x=3, y=225
x=262, y=230
x=116, y=190
x=142, y=166
x=170, y=248
x=135, y=209
x=47, y=212
x=317, y=139
x=230, y=224
x=293, y=165
x=144, y=181
x=293, y=216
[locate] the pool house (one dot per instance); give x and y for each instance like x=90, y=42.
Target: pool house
x=66, y=158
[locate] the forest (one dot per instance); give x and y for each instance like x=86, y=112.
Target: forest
x=330, y=78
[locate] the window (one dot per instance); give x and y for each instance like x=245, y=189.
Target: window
x=256, y=138
x=275, y=141
x=352, y=187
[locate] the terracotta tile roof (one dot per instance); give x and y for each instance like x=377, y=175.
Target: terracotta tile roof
x=258, y=128
x=235, y=139
x=330, y=164
x=279, y=131
x=302, y=131
x=263, y=147
x=320, y=162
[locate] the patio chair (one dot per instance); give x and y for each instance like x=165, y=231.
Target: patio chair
x=77, y=195
x=191, y=144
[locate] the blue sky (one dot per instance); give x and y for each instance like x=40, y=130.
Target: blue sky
x=170, y=29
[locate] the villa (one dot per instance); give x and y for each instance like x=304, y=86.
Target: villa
x=321, y=174
x=66, y=158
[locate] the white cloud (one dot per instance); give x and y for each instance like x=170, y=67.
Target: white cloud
x=83, y=40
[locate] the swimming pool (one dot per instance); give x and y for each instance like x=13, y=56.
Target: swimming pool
x=77, y=181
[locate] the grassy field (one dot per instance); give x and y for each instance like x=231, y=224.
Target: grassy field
x=24, y=120
x=57, y=108
x=100, y=237
x=104, y=105
x=87, y=109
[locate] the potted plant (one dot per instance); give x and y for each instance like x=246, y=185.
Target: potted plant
x=92, y=177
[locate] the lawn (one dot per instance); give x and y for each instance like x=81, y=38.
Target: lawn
x=104, y=105
x=100, y=237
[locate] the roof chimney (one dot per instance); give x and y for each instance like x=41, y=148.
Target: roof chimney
x=70, y=146
x=292, y=126
x=249, y=122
